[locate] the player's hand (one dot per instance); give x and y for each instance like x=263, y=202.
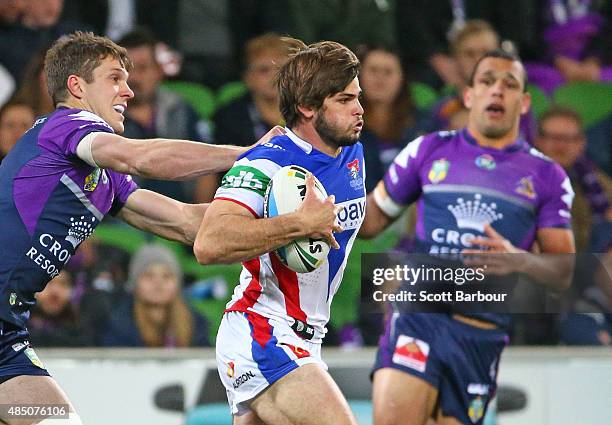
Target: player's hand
x=494, y=253
x=319, y=216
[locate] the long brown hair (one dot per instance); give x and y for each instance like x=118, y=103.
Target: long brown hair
x=312, y=74
x=403, y=108
x=178, y=325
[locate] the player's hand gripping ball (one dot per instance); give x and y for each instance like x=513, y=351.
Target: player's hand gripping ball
x=285, y=194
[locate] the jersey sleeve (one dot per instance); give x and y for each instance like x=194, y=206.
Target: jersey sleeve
x=246, y=182
x=125, y=187
x=402, y=180
x=557, y=200
x=63, y=134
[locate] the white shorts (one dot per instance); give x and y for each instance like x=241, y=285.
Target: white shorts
x=253, y=352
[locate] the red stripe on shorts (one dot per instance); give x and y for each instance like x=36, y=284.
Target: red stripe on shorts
x=242, y=204
x=262, y=330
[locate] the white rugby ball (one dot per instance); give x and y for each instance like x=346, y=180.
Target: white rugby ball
x=285, y=194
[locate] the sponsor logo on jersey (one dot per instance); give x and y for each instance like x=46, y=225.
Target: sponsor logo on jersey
x=230, y=369
x=246, y=177
x=476, y=409
x=91, y=181
x=242, y=379
x=20, y=345
x=478, y=389
x=31, y=354
x=438, y=171
x=12, y=298
x=351, y=216
x=486, y=162
x=474, y=214
x=80, y=229
x=411, y=352
x=525, y=187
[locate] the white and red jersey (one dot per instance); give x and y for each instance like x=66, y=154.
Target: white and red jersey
x=268, y=287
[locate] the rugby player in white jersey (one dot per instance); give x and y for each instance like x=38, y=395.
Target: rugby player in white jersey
x=269, y=341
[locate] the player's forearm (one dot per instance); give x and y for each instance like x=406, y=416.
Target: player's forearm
x=181, y=160
x=182, y=227
x=555, y=271
x=231, y=239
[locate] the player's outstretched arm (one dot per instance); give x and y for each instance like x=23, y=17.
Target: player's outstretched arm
x=230, y=233
x=376, y=220
x=164, y=159
x=163, y=216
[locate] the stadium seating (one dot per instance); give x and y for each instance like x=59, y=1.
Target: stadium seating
x=200, y=97
x=593, y=101
x=539, y=100
x=229, y=92
x=423, y=95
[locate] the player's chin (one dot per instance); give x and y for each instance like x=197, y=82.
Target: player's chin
x=118, y=127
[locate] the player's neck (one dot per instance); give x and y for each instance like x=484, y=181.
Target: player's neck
x=73, y=103
x=490, y=142
x=307, y=132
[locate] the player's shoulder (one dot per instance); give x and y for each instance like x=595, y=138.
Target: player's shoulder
x=279, y=149
x=424, y=145
x=64, y=116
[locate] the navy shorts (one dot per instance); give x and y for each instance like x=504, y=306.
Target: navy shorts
x=17, y=357
x=460, y=360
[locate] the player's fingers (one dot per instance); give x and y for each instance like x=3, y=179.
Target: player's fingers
x=337, y=228
x=490, y=232
x=337, y=209
x=332, y=241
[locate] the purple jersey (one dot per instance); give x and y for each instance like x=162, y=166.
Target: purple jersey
x=50, y=201
x=460, y=186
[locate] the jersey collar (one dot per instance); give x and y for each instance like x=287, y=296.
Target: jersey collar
x=301, y=143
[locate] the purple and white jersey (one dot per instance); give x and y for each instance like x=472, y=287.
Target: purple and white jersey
x=50, y=202
x=460, y=186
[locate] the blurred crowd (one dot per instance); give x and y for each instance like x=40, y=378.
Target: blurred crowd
x=204, y=71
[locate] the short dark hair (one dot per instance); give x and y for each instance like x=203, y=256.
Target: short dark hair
x=79, y=54
x=500, y=54
x=313, y=73
x=558, y=111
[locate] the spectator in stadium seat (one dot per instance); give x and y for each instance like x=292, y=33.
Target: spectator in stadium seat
x=590, y=321
x=33, y=88
x=561, y=137
x=257, y=111
x=158, y=112
x=16, y=117
x=391, y=117
x=40, y=24
x=155, y=314
x=574, y=43
x=55, y=321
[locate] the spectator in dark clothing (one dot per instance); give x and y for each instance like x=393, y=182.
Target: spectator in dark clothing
x=40, y=25
x=391, y=118
x=561, y=137
x=425, y=27
x=243, y=120
x=55, y=322
x=574, y=43
x=157, y=112
x=16, y=117
x=155, y=314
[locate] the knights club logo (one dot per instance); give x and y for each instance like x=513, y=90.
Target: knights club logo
x=353, y=166
x=474, y=214
x=230, y=369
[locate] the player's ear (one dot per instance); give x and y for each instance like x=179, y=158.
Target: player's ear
x=74, y=86
x=306, y=111
x=467, y=97
x=526, y=103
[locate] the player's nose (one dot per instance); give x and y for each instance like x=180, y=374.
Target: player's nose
x=127, y=92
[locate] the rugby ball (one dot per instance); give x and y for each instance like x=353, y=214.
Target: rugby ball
x=285, y=194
